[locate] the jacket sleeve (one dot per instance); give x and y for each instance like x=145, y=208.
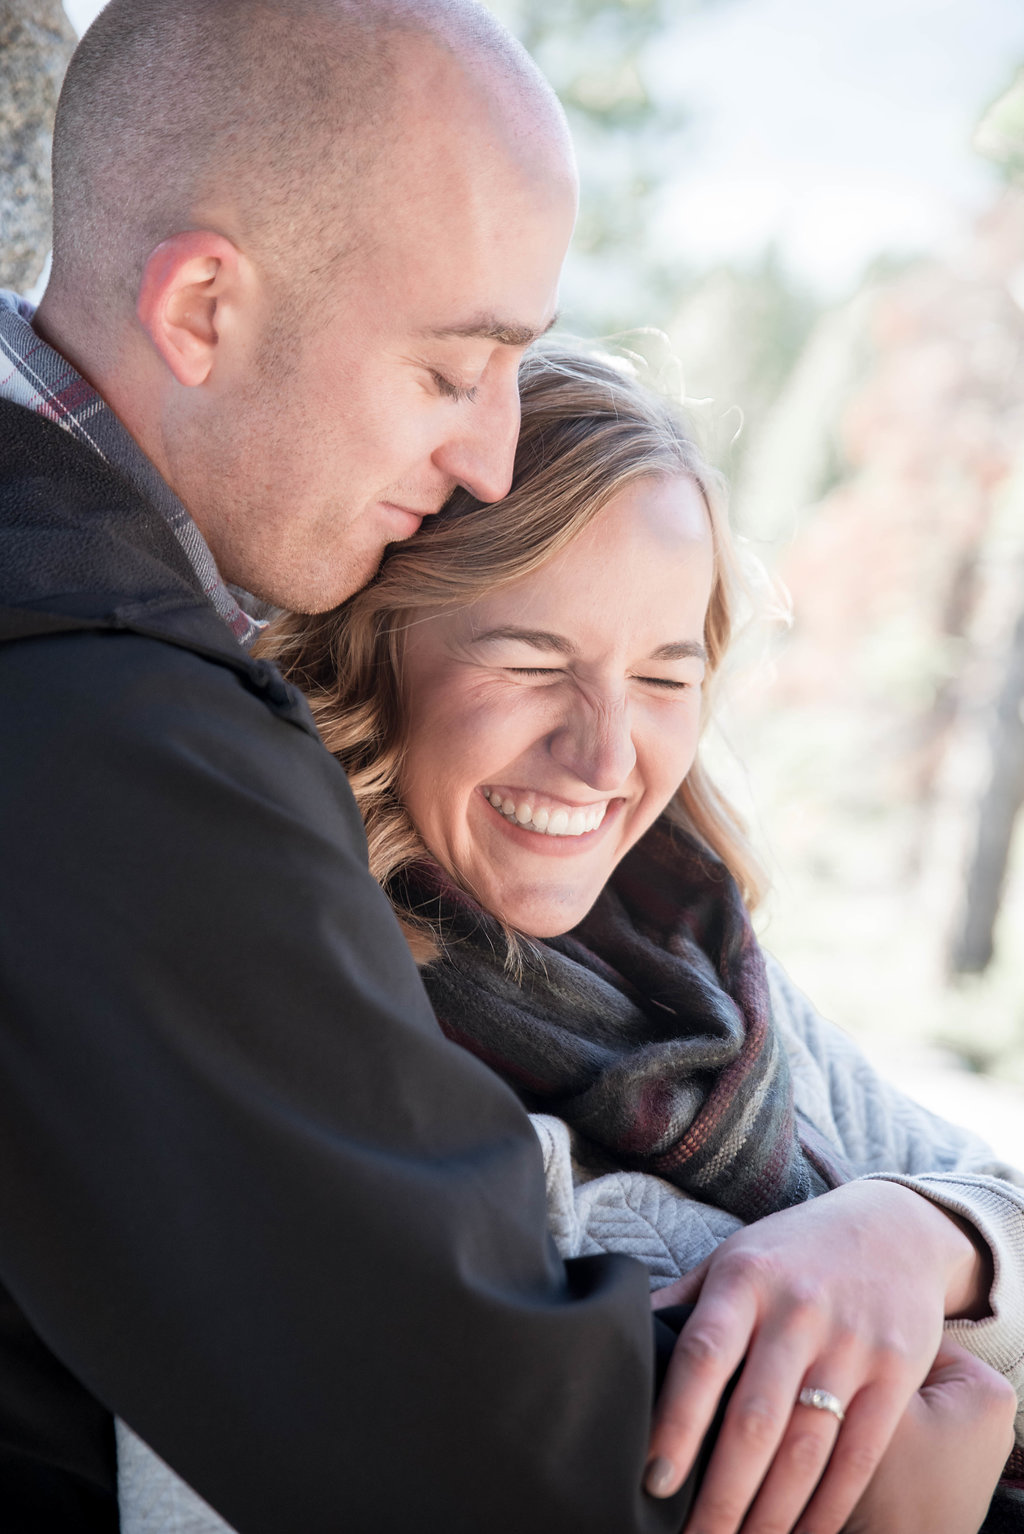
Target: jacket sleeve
x=251, y=1196
x=884, y=1133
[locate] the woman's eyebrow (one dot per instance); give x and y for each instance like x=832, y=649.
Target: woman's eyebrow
x=682, y=649
x=538, y=638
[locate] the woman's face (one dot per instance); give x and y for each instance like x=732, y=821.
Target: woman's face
x=550, y=722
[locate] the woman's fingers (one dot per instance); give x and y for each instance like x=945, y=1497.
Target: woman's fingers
x=707, y=1354
x=802, y=1456
x=772, y=1452
x=823, y=1468
x=796, y=1298
x=722, y=1329
x=754, y=1434
x=682, y=1291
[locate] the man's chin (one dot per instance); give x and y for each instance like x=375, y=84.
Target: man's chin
x=325, y=590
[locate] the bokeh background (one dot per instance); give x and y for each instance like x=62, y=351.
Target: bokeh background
x=809, y=217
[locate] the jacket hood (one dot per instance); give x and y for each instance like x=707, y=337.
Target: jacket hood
x=76, y=539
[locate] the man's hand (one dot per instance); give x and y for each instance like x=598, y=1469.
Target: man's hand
x=940, y=1470
x=846, y=1293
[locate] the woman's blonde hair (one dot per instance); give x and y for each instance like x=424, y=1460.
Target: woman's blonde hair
x=589, y=429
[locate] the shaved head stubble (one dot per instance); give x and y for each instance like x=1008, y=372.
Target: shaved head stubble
x=357, y=155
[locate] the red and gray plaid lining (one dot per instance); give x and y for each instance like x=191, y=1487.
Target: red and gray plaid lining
x=34, y=375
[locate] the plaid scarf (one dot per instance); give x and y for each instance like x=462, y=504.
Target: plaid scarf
x=34, y=375
x=648, y=1028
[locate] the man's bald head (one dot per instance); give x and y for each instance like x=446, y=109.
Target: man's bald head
x=299, y=249
x=279, y=123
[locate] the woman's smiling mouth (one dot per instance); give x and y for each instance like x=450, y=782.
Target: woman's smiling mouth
x=531, y=814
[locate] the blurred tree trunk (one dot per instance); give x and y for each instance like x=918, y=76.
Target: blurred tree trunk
x=36, y=41
x=972, y=946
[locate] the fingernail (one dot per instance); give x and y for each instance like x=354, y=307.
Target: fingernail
x=660, y=1478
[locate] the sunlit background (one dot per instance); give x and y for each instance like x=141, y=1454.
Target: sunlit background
x=817, y=203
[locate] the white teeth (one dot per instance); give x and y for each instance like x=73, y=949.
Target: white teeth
x=548, y=822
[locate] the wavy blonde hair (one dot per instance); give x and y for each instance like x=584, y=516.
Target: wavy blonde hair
x=589, y=429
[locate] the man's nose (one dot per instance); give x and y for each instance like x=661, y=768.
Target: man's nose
x=595, y=743
x=480, y=453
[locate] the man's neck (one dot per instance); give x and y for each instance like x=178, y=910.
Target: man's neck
x=51, y=325
x=42, y=374
x=107, y=358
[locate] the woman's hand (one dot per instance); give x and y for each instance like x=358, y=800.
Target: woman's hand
x=941, y=1467
x=846, y=1293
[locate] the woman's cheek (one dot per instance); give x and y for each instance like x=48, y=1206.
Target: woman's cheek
x=672, y=747
x=512, y=717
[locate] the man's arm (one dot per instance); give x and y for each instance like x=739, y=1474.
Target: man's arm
x=252, y=1197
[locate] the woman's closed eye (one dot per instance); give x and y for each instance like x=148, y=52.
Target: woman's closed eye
x=670, y=684
x=664, y=683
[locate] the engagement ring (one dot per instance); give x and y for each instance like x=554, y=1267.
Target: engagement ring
x=821, y=1400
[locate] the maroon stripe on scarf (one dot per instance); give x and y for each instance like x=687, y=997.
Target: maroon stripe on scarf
x=648, y=1028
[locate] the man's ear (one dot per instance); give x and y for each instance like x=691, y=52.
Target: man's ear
x=188, y=283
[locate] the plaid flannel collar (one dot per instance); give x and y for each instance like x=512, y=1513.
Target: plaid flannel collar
x=34, y=375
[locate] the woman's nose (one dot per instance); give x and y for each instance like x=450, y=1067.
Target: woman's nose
x=595, y=744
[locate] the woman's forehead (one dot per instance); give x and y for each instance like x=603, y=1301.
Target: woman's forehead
x=640, y=566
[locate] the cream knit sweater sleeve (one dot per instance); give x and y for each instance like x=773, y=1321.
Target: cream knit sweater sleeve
x=884, y=1133
x=879, y=1130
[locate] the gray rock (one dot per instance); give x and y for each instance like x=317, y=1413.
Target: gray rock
x=36, y=41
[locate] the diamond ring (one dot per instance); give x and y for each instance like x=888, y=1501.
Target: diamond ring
x=821, y=1400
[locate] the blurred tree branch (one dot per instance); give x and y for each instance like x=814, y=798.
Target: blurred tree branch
x=973, y=943
x=999, y=136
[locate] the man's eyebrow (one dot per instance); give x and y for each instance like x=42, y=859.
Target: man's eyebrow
x=488, y=327
x=538, y=638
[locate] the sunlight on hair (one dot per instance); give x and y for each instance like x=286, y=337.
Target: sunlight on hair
x=594, y=420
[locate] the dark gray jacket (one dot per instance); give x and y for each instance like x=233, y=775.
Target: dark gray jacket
x=251, y=1200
